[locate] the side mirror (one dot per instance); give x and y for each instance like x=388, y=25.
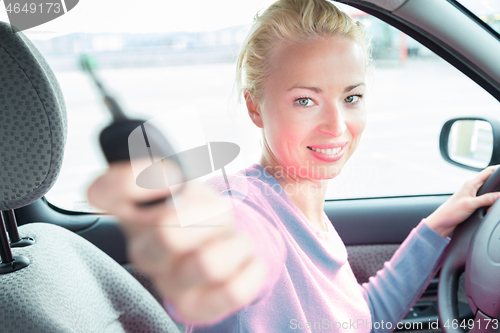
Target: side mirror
x=471, y=143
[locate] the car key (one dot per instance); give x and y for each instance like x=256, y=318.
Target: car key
x=114, y=138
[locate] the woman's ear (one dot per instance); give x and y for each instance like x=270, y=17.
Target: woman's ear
x=253, y=110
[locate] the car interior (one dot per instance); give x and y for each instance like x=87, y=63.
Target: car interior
x=67, y=271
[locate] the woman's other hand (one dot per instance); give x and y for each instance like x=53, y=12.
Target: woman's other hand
x=462, y=204
x=206, y=270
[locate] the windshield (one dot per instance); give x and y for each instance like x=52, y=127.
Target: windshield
x=486, y=10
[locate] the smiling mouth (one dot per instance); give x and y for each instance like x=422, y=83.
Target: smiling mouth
x=330, y=152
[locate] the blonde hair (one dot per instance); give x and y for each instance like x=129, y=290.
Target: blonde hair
x=291, y=21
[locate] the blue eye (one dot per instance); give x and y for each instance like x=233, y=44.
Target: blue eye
x=304, y=101
x=352, y=99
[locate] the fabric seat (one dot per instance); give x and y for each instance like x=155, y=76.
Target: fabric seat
x=72, y=286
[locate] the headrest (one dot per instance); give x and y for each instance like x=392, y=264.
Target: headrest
x=32, y=122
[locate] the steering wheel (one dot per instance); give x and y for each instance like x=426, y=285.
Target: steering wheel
x=475, y=248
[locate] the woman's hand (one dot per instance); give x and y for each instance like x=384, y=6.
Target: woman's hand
x=462, y=204
x=206, y=270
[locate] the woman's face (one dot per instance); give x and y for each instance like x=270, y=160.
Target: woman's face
x=313, y=100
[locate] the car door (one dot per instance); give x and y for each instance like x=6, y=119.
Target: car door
x=396, y=177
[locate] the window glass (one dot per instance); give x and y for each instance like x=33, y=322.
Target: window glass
x=486, y=10
x=412, y=93
x=183, y=64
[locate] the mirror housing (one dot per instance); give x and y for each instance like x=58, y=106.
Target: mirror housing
x=471, y=142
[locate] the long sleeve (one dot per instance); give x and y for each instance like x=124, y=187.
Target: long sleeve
x=257, y=220
x=401, y=282
x=308, y=285
x=258, y=223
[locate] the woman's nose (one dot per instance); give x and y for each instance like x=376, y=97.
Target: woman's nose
x=332, y=121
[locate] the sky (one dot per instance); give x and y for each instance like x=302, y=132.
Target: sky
x=160, y=16
x=482, y=7
x=148, y=16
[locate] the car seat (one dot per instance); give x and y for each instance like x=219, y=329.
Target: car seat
x=55, y=280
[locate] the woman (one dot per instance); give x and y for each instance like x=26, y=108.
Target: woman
x=278, y=264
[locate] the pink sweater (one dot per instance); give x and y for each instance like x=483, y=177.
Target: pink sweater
x=310, y=284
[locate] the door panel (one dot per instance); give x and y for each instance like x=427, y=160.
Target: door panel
x=366, y=260
x=367, y=221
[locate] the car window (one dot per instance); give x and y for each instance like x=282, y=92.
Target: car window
x=486, y=10
x=188, y=70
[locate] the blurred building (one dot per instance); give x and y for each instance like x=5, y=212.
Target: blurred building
x=117, y=50
x=136, y=50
